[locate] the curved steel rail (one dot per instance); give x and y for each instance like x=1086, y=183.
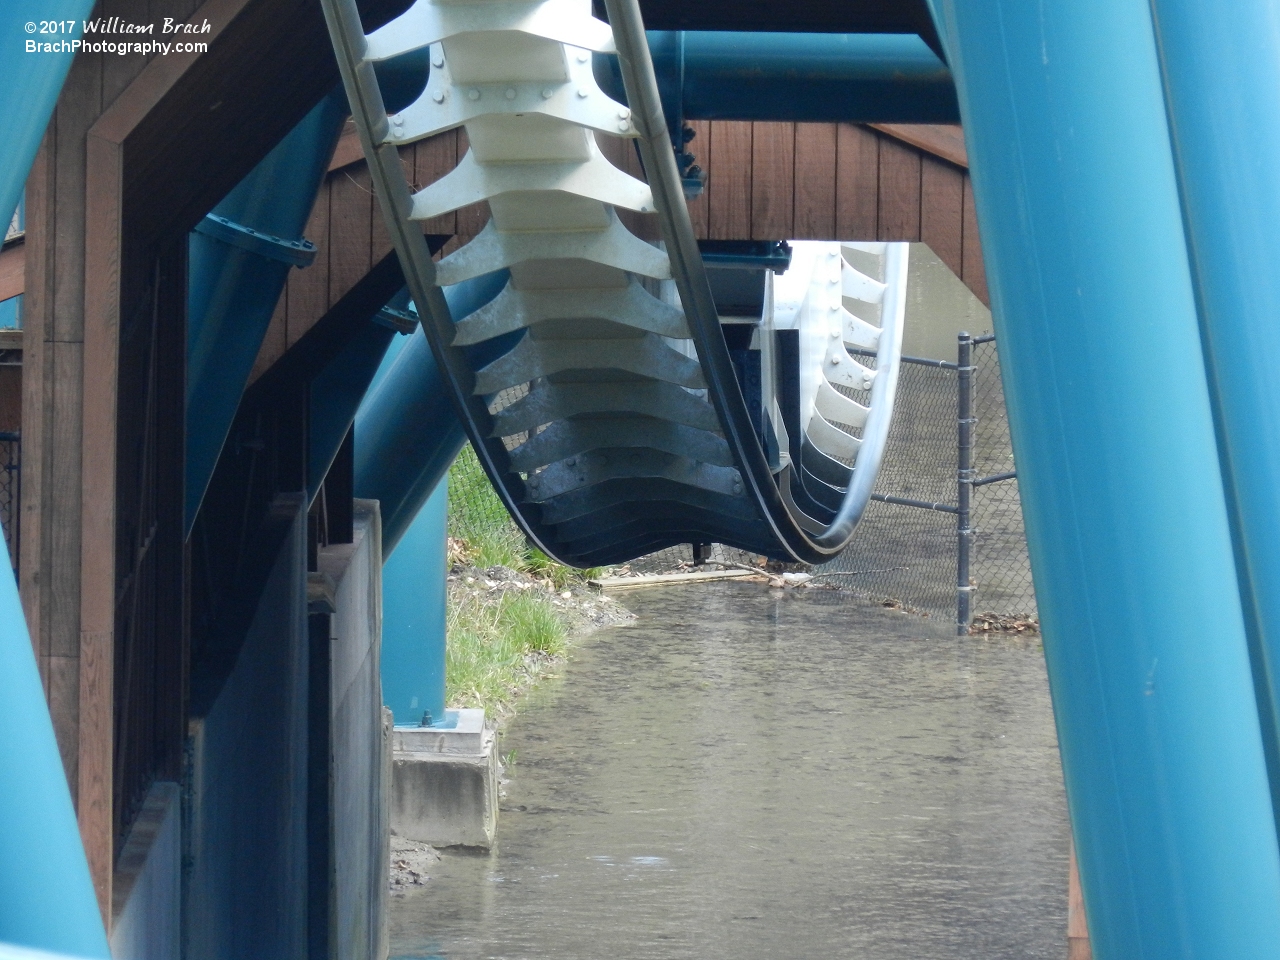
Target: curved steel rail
x=695, y=293
x=619, y=440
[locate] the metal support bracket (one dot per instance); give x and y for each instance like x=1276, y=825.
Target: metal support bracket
x=296, y=253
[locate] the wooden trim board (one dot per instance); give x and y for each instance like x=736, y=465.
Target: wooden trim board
x=941, y=140
x=13, y=268
x=670, y=579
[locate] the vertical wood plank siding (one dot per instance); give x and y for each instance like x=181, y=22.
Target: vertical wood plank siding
x=767, y=181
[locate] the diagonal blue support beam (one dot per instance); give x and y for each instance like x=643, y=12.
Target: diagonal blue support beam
x=406, y=437
x=47, y=901
x=1221, y=66
x=30, y=83
x=240, y=257
x=407, y=433
x=1124, y=502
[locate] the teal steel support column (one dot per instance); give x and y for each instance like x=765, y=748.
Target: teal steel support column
x=413, y=589
x=407, y=435
x=30, y=83
x=46, y=897
x=413, y=617
x=1221, y=67
x=1124, y=502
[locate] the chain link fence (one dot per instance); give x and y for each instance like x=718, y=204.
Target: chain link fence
x=1001, y=569
x=909, y=548
x=901, y=554
x=916, y=539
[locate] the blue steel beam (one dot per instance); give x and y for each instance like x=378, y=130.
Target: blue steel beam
x=30, y=83
x=413, y=617
x=337, y=391
x=235, y=279
x=47, y=900
x=412, y=662
x=407, y=433
x=1126, y=520
x=827, y=77
x=1221, y=67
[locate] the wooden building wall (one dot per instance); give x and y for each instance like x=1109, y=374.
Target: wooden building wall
x=137, y=151
x=767, y=181
x=53, y=370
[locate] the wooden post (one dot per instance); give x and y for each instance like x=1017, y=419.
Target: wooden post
x=1077, y=929
x=173, y=140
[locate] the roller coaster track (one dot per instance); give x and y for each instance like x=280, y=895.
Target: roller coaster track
x=617, y=417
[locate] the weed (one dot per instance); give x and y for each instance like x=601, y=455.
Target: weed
x=499, y=642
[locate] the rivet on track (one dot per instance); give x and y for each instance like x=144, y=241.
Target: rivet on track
x=473, y=94
x=511, y=93
x=546, y=93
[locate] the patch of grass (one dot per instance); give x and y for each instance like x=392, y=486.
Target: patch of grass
x=539, y=564
x=498, y=644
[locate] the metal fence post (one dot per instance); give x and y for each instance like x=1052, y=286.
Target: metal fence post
x=964, y=480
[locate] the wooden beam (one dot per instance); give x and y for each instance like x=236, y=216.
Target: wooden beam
x=1078, y=946
x=13, y=266
x=942, y=140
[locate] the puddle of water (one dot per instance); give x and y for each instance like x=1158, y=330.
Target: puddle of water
x=744, y=774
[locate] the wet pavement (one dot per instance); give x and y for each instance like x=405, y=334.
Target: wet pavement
x=744, y=773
